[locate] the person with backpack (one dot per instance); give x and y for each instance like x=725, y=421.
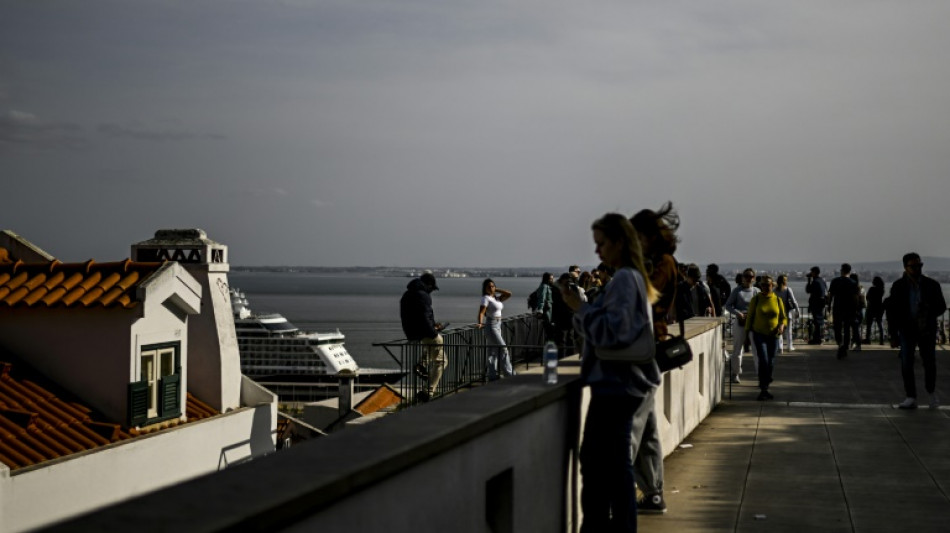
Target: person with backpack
x=541, y=301
x=719, y=287
x=785, y=293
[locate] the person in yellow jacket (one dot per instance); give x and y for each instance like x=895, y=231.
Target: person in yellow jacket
x=766, y=319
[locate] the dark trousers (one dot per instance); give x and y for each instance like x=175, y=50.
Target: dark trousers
x=874, y=318
x=842, y=327
x=926, y=341
x=609, y=498
x=765, y=348
x=817, y=324
x=856, y=328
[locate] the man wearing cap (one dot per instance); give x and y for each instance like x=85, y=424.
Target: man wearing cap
x=817, y=290
x=419, y=325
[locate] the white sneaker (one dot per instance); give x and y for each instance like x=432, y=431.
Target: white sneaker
x=934, y=401
x=908, y=403
x=791, y=347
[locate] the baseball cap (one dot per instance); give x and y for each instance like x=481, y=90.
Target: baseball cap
x=429, y=280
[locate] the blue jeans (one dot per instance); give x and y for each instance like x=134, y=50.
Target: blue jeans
x=648, y=450
x=499, y=361
x=765, y=348
x=609, y=497
x=926, y=341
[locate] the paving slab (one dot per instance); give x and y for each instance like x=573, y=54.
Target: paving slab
x=831, y=453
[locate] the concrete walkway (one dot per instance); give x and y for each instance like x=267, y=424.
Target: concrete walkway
x=831, y=452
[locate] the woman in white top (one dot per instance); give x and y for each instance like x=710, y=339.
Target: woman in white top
x=489, y=314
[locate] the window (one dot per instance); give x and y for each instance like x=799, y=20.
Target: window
x=157, y=394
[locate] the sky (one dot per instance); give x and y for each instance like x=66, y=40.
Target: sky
x=476, y=133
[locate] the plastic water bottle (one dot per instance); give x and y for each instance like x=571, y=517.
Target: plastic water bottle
x=550, y=363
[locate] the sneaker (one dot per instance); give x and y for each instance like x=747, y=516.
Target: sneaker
x=735, y=378
x=791, y=348
x=651, y=505
x=423, y=396
x=842, y=352
x=765, y=395
x=421, y=371
x=934, y=401
x=908, y=403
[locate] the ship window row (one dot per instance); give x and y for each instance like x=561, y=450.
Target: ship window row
x=271, y=360
x=272, y=341
x=281, y=350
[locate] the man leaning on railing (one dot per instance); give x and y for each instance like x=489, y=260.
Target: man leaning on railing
x=419, y=325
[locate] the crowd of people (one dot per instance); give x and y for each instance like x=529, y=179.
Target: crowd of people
x=639, y=287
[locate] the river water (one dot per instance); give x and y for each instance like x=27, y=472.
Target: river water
x=366, y=307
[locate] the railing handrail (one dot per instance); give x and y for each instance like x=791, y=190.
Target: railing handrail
x=464, y=327
x=466, y=354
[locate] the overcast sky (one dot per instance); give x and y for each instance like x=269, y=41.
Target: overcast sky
x=476, y=132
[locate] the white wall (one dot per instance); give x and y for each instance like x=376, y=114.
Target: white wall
x=688, y=394
x=216, y=362
x=448, y=492
x=40, y=495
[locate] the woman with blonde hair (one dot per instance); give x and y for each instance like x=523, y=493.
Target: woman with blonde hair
x=620, y=391
x=766, y=320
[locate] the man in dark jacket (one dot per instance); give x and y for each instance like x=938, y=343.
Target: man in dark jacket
x=419, y=325
x=843, y=300
x=914, y=305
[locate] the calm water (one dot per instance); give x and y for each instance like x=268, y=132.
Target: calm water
x=366, y=308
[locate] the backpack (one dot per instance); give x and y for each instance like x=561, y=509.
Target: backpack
x=533, y=299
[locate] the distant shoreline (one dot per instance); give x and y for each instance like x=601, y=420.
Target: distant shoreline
x=937, y=268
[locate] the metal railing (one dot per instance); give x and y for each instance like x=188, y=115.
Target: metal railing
x=466, y=355
x=801, y=325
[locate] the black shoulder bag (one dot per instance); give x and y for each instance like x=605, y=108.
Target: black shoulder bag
x=673, y=352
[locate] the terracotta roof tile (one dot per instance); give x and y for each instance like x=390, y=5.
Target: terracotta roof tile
x=37, y=425
x=72, y=284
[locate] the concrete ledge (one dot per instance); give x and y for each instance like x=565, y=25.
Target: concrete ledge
x=295, y=484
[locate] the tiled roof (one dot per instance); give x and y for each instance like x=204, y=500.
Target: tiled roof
x=71, y=284
x=36, y=425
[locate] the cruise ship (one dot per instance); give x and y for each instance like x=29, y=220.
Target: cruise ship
x=274, y=350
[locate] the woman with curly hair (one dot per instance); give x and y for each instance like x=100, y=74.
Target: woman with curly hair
x=657, y=233
x=620, y=391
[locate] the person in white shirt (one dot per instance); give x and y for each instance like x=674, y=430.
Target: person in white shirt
x=738, y=305
x=489, y=314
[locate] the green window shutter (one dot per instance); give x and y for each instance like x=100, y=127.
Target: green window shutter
x=138, y=403
x=170, y=401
